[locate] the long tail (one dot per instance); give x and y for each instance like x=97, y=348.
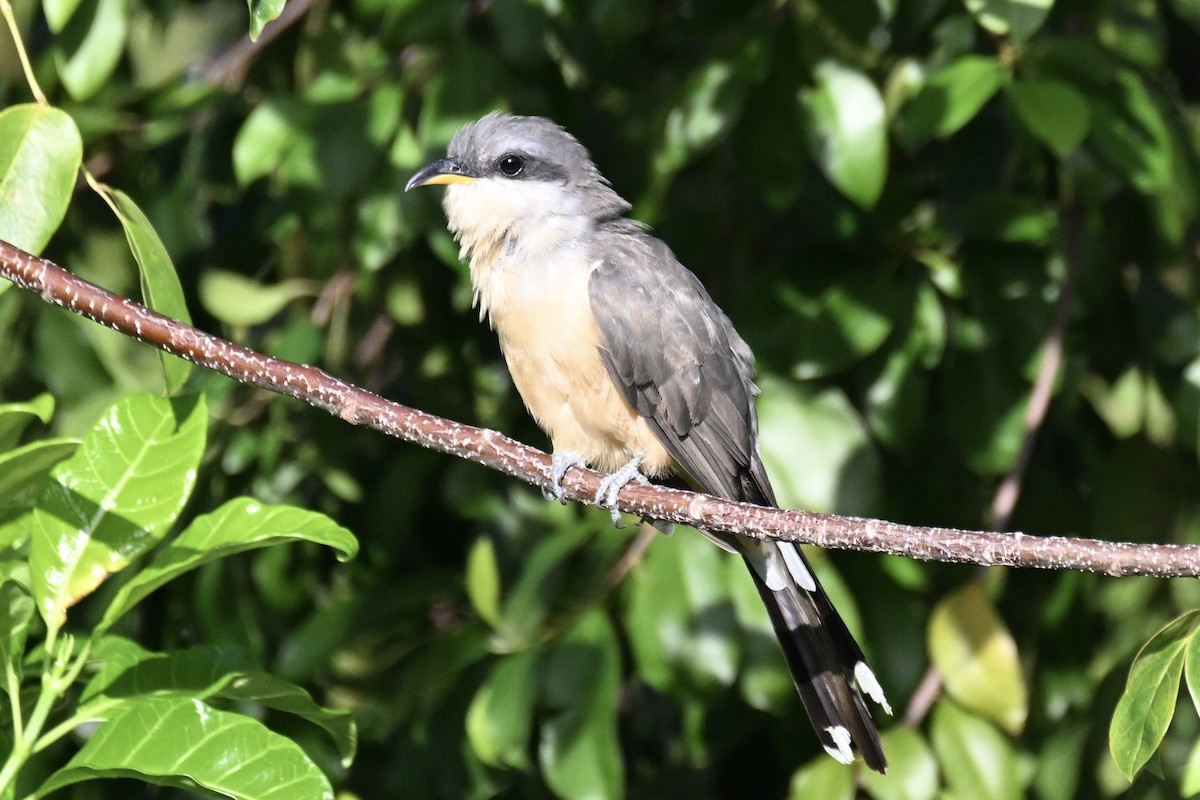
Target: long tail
x=826, y=663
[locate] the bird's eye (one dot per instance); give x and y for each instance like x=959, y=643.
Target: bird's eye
x=511, y=165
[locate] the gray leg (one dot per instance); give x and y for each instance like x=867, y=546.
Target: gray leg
x=613, y=483
x=559, y=464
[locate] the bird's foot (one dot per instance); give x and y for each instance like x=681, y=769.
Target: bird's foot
x=559, y=464
x=614, y=482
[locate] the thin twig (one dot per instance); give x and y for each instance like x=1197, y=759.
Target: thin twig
x=6, y=11
x=1009, y=490
x=631, y=557
x=229, y=69
x=359, y=407
x=923, y=697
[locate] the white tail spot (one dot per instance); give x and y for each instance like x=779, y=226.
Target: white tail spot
x=795, y=564
x=840, y=749
x=776, y=576
x=869, y=684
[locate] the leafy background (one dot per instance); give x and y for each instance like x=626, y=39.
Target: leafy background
x=899, y=202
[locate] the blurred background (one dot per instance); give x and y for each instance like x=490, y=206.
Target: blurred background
x=903, y=205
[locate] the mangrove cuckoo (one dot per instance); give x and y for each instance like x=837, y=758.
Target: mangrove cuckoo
x=626, y=362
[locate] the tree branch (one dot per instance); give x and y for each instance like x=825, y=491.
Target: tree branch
x=490, y=448
x=229, y=69
x=1009, y=491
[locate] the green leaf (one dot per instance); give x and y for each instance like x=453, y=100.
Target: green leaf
x=24, y=469
x=436, y=670
x=578, y=750
x=1130, y=132
x=1062, y=762
x=237, y=526
x=238, y=300
x=160, y=283
x=483, y=581
x=1002, y=217
x=280, y=695
x=912, y=768
x=950, y=98
x=1019, y=19
x=116, y=658
x=16, y=614
x=1133, y=404
x=14, y=529
x=945, y=272
x=184, y=743
x=897, y=396
x=115, y=498
x=262, y=12
x=976, y=759
x=824, y=778
x=840, y=472
x=776, y=173
x=1191, y=670
x=848, y=131
x=682, y=627
x=90, y=46
x=709, y=107
x=1148, y=704
x=14, y=417
x=129, y=671
x=1189, y=783
x=500, y=717
x=278, y=136
x=529, y=601
x=977, y=657
x=987, y=415
x=763, y=680
x=464, y=87
x=40, y=154
x=836, y=325
x=1052, y=111
x=59, y=12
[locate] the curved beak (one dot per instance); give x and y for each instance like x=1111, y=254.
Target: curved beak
x=443, y=171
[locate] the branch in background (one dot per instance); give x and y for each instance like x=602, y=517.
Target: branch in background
x=229, y=69
x=1009, y=491
x=359, y=407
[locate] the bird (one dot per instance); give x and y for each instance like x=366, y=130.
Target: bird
x=623, y=358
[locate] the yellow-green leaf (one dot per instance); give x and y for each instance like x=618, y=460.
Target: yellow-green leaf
x=977, y=657
x=500, y=717
x=822, y=777
x=90, y=46
x=238, y=300
x=912, y=767
x=977, y=760
x=483, y=580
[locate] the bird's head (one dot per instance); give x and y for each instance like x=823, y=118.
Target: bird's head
x=505, y=172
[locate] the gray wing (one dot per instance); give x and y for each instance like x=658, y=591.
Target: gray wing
x=678, y=360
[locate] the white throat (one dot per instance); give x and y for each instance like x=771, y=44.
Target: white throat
x=521, y=238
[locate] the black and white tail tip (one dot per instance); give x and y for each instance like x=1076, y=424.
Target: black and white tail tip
x=842, y=747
